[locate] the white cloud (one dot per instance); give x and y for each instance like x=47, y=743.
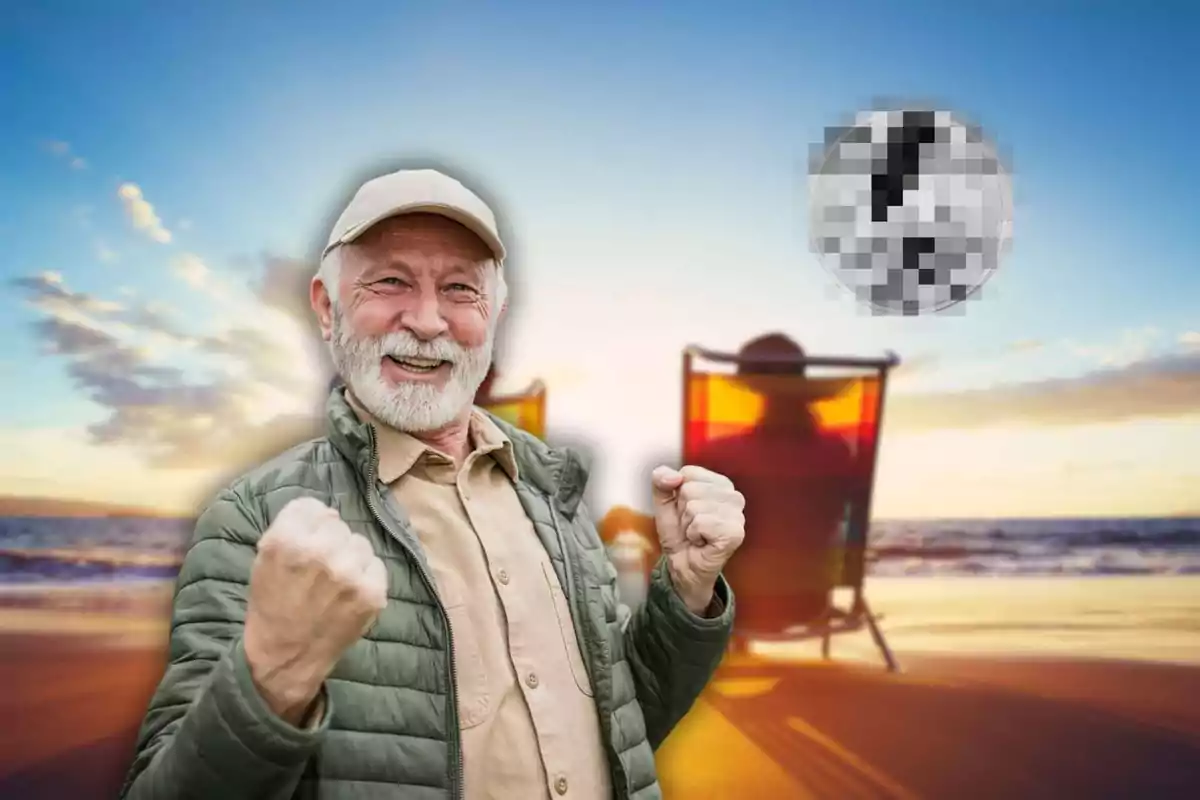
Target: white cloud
x=106, y=254
x=1132, y=345
x=1190, y=339
x=179, y=393
x=142, y=214
x=50, y=295
x=192, y=271
x=62, y=150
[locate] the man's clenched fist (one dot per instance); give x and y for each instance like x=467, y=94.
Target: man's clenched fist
x=700, y=522
x=315, y=589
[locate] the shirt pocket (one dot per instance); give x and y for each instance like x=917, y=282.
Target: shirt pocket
x=471, y=684
x=566, y=629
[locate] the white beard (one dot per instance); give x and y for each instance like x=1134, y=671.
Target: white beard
x=411, y=406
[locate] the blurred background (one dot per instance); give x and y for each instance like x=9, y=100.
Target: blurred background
x=166, y=170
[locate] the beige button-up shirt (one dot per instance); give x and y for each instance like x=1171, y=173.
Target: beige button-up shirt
x=530, y=728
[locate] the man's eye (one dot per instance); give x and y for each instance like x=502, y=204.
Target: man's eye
x=461, y=287
x=391, y=282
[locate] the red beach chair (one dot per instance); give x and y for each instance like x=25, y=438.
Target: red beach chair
x=799, y=436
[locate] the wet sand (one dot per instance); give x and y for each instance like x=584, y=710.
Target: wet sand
x=72, y=705
x=946, y=727
x=77, y=669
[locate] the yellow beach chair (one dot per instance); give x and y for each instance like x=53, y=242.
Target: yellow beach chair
x=525, y=409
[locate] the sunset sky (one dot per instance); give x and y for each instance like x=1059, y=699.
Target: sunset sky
x=165, y=175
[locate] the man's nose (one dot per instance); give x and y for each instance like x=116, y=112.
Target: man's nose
x=424, y=318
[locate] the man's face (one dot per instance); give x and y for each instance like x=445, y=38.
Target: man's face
x=413, y=329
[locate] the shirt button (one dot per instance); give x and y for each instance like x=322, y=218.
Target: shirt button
x=531, y=681
x=502, y=576
x=560, y=785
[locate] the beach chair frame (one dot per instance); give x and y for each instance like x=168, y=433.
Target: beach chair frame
x=858, y=615
x=535, y=390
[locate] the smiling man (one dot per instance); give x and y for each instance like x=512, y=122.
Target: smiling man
x=417, y=605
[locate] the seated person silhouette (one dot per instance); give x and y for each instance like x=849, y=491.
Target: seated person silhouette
x=798, y=482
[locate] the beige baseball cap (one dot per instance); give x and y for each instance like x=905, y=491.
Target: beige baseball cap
x=410, y=191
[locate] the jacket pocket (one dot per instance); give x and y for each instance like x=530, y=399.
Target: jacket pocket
x=566, y=629
x=471, y=685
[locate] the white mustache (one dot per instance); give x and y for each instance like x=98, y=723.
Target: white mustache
x=401, y=344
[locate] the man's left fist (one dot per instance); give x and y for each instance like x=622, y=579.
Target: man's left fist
x=700, y=524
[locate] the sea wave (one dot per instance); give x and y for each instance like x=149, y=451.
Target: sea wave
x=50, y=550
x=1140, y=546
x=56, y=550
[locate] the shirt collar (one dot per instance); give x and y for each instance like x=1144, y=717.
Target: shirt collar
x=488, y=438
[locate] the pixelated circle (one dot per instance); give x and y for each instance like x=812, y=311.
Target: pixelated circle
x=909, y=209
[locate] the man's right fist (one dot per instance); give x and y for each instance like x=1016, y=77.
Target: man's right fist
x=315, y=589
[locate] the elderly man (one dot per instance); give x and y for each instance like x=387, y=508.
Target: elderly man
x=417, y=605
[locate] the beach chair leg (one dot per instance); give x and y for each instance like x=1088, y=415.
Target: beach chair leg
x=880, y=642
x=826, y=638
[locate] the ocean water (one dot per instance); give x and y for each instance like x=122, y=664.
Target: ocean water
x=47, y=550
x=1138, y=546
x=54, y=550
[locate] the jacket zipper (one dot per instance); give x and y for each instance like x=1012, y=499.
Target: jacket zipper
x=455, y=736
x=581, y=614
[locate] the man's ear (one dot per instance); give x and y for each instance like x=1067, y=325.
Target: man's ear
x=322, y=305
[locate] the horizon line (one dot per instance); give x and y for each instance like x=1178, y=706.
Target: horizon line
x=101, y=509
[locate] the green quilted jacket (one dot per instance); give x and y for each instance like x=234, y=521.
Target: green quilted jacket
x=390, y=728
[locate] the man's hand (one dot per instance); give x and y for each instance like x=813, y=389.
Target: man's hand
x=315, y=589
x=699, y=518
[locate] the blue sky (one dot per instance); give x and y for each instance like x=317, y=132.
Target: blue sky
x=649, y=164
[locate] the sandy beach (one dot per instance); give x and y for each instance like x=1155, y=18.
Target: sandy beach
x=1010, y=687
x=947, y=728
x=972, y=714
x=78, y=665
